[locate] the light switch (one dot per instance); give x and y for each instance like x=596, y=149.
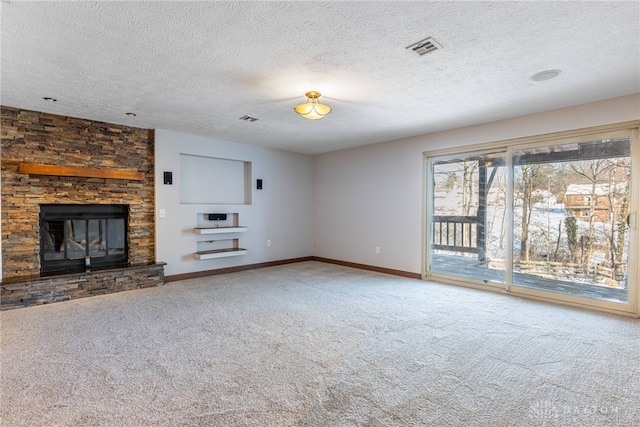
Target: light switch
x=162, y=213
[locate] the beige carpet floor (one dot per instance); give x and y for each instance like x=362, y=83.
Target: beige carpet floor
x=314, y=344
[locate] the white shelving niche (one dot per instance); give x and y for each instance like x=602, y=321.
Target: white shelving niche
x=225, y=225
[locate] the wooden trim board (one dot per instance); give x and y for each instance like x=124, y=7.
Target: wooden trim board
x=55, y=170
x=226, y=270
x=374, y=268
x=205, y=273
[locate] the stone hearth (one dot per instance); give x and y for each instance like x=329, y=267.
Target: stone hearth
x=45, y=290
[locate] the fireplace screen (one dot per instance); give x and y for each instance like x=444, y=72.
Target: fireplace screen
x=78, y=237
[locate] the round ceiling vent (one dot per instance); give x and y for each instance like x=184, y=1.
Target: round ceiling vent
x=545, y=75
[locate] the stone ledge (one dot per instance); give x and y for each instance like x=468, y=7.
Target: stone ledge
x=17, y=293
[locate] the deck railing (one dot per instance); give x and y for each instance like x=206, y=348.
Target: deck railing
x=564, y=269
x=613, y=277
x=455, y=233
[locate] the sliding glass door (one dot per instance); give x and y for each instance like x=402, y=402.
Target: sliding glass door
x=571, y=218
x=548, y=220
x=468, y=225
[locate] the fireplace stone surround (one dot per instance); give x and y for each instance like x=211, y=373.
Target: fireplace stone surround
x=42, y=138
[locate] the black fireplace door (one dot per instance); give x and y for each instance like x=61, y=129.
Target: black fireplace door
x=79, y=237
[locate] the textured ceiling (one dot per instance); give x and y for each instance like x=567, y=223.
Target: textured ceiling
x=197, y=67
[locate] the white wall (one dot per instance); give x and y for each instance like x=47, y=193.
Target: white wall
x=282, y=212
x=0, y=217
x=372, y=195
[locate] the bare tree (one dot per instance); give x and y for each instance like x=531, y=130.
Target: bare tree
x=468, y=187
x=619, y=198
x=594, y=171
x=532, y=179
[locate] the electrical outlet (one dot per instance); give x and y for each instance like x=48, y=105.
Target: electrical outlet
x=378, y=250
x=268, y=242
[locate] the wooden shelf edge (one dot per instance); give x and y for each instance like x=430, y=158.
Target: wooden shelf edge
x=55, y=170
x=220, y=253
x=219, y=230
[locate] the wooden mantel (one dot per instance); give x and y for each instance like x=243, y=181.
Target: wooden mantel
x=55, y=170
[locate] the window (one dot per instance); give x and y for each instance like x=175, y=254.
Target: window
x=549, y=219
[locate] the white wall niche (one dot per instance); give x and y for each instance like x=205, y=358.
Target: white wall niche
x=231, y=224
x=220, y=248
x=214, y=180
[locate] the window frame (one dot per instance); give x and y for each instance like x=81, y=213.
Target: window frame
x=619, y=130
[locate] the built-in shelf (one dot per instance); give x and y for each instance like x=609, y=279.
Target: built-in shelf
x=219, y=230
x=227, y=245
x=220, y=253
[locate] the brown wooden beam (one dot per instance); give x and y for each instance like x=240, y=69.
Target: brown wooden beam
x=55, y=170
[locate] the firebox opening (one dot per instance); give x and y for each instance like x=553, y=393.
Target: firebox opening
x=76, y=238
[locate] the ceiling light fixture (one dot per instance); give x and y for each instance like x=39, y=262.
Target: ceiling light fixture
x=545, y=75
x=312, y=109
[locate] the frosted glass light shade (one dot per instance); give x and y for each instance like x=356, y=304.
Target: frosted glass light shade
x=312, y=109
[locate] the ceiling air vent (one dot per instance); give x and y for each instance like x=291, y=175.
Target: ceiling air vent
x=248, y=119
x=425, y=46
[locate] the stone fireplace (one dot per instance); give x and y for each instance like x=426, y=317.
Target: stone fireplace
x=53, y=163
